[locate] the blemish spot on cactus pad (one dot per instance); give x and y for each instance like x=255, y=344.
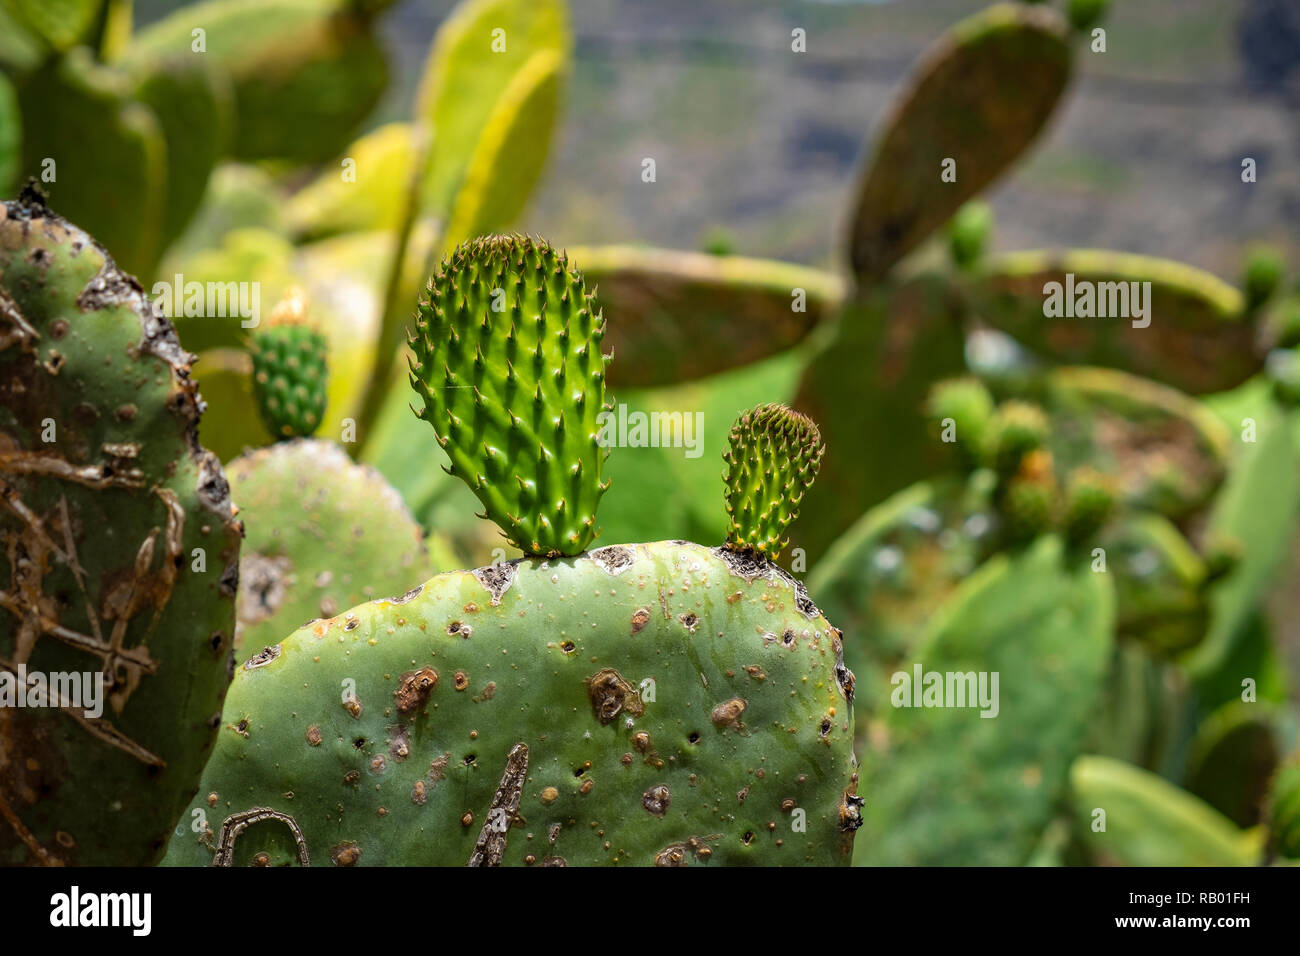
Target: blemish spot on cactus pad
x=409, y=596
x=314, y=735
x=415, y=688
x=458, y=628
x=851, y=812
x=640, y=619
x=496, y=579
x=614, y=559
x=262, y=657
x=690, y=621
x=727, y=714
x=346, y=854
x=656, y=800
x=611, y=695
x=237, y=823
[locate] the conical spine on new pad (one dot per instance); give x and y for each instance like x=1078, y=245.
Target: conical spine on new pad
x=773, y=459
x=508, y=362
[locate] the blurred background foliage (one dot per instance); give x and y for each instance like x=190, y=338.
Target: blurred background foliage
x=1159, y=688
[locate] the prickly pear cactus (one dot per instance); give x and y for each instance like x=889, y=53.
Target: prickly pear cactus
x=544, y=711
x=323, y=533
x=119, y=558
x=773, y=459
x=661, y=704
x=1284, y=811
x=290, y=370
x=508, y=362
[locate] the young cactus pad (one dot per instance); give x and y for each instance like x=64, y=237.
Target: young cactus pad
x=773, y=459
x=652, y=704
x=290, y=373
x=508, y=362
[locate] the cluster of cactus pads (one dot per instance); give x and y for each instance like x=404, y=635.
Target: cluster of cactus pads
x=664, y=703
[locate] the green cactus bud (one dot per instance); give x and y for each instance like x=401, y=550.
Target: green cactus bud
x=1262, y=275
x=1089, y=502
x=508, y=362
x=1223, y=554
x=1284, y=811
x=1028, y=505
x=290, y=373
x=773, y=459
x=1086, y=14
x=1283, y=323
x=1017, y=429
x=968, y=233
x=965, y=405
x=119, y=556
x=1283, y=367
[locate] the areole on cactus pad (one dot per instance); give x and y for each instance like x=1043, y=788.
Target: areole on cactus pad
x=664, y=704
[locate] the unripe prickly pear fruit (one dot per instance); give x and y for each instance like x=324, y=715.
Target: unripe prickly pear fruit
x=1284, y=811
x=290, y=373
x=773, y=459
x=1283, y=368
x=1017, y=429
x=1263, y=274
x=965, y=405
x=1086, y=14
x=1089, y=502
x=1029, y=501
x=968, y=233
x=508, y=362
x=119, y=557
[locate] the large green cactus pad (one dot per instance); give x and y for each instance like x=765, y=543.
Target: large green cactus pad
x=321, y=535
x=652, y=704
x=1198, y=339
x=883, y=578
x=477, y=56
x=686, y=315
x=118, y=553
x=1149, y=821
x=953, y=787
x=79, y=102
x=980, y=97
x=1166, y=451
x=305, y=73
x=867, y=389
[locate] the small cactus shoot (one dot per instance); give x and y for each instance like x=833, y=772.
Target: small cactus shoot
x=290, y=372
x=773, y=459
x=508, y=362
